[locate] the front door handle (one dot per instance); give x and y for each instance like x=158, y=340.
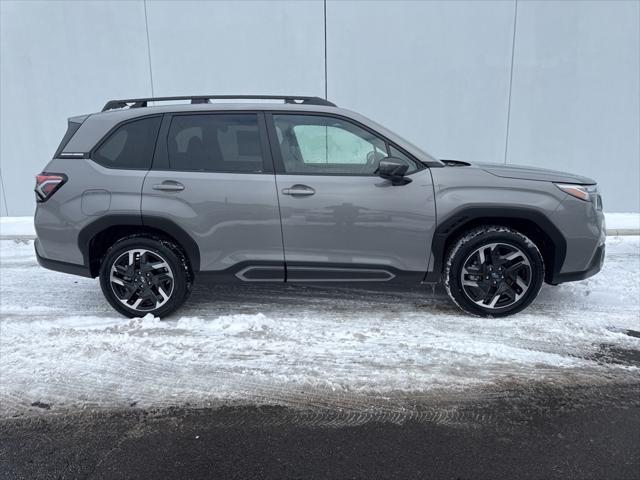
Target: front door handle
x=299, y=190
x=169, y=186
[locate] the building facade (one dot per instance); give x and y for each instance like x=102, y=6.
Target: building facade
x=554, y=84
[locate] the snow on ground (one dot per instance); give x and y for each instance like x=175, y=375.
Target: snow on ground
x=62, y=345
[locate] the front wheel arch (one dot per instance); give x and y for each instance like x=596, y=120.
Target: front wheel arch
x=535, y=225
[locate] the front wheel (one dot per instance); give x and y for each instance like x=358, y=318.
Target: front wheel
x=141, y=275
x=493, y=271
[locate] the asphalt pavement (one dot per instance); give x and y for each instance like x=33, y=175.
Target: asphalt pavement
x=534, y=433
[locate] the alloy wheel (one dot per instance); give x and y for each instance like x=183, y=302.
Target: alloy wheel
x=141, y=279
x=496, y=275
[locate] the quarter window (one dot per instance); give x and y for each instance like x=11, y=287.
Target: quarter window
x=215, y=143
x=130, y=146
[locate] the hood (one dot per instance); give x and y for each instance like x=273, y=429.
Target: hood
x=532, y=173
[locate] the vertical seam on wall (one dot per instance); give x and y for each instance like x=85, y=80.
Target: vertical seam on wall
x=4, y=195
x=325, y=50
x=146, y=25
x=513, y=49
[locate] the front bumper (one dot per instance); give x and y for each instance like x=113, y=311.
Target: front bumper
x=64, y=267
x=595, y=265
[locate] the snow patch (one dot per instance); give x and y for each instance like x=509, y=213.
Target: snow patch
x=65, y=346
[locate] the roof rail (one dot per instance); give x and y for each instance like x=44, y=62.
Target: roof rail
x=142, y=102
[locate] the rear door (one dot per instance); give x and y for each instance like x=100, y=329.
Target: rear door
x=212, y=176
x=340, y=221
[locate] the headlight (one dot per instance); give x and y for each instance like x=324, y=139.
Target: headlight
x=583, y=192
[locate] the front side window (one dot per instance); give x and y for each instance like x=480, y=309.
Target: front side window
x=314, y=144
x=215, y=143
x=130, y=146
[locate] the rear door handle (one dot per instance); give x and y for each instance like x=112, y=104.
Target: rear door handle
x=169, y=186
x=299, y=191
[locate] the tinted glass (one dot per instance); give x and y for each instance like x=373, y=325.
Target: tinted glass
x=215, y=143
x=130, y=146
x=313, y=144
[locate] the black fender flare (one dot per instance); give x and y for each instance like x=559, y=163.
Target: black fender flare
x=461, y=219
x=88, y=233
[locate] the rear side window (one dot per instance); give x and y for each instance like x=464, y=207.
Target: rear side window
x=215, y=143
x=130, y=146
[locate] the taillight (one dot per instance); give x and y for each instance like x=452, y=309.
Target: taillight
x=47, y=184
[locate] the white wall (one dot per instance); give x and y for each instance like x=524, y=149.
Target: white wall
x=60, y=59
x=576, y=93
x=439, y=73
x=238, y=47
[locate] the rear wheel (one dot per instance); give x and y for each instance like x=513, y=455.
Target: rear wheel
x=141, y=275
x=493, y=271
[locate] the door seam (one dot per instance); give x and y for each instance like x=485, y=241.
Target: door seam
x=275, y=182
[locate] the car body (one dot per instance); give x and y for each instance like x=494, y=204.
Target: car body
x=299, y=191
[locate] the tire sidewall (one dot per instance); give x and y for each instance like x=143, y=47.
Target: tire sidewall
x=181, y=283
x=466, y=245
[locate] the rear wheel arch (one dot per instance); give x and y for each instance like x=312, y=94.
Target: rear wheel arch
x=96, y=238
x=534, y=224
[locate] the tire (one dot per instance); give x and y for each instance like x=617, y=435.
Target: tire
x=493, y=271
x=158, y=281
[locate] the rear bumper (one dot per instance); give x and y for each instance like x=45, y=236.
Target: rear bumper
x=595, y=265
x=64, y=267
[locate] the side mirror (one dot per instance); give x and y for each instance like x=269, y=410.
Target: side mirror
x=393, y=169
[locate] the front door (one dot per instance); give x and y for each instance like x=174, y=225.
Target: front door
x=340, y=221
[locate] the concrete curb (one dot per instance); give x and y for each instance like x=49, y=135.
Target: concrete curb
x=622, y=231
x=619, y=232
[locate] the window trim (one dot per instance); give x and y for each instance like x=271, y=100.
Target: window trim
x=161, y=157
x=277, y=154
x=113, y=130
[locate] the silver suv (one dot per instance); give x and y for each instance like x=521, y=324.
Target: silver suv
x=294, y=189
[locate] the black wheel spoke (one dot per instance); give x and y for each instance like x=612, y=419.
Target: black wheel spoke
x=509, y=291
x=495, y=258
x=130, y=290
x=515, y=268
x=490, y=293
x=123, y=270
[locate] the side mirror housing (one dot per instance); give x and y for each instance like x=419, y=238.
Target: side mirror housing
x=393, y=169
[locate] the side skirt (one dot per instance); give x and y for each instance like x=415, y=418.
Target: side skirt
x=310, y=273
